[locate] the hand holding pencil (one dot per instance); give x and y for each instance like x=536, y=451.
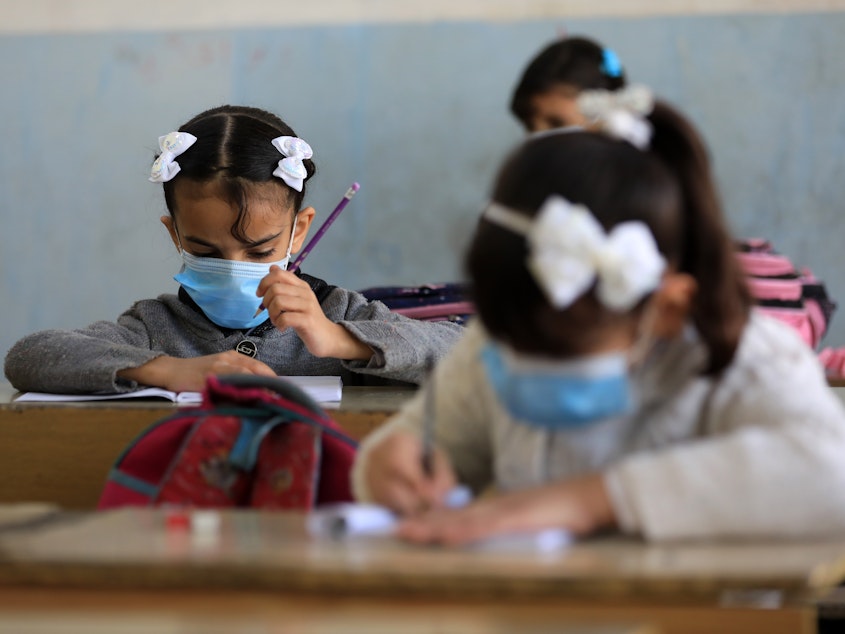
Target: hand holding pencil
x=406, y=471
x=291, y=303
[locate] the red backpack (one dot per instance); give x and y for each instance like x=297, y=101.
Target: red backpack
x=253, y=442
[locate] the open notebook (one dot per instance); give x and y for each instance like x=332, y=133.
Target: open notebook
x=323, y=389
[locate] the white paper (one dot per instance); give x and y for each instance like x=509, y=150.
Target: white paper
x=348, y=519
x=149, y=392
x=323, y=389
x=339, y=521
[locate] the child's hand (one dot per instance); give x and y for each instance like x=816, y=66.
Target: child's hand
x=395, y=478
x=189, y=375
x=580, y=506
x=292, y=304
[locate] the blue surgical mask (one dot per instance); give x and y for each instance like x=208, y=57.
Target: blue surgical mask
x=225, y=289
x=559, y=395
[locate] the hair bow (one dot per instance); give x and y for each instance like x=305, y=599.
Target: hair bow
x=291, y=168
x=620, y=113
x=171, y=145
x=569, y=251
x=610, y=64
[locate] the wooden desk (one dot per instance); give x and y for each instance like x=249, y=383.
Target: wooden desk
x=62, y=452
x=265, y=565
x=86, y=612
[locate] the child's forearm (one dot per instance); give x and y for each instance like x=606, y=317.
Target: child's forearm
x=581, y=504
x=348, y=347
x=597, y=503
x=152, y=373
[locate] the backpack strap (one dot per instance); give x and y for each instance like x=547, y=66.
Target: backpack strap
x=320, y=288
x=217, y=387
x=297, y=402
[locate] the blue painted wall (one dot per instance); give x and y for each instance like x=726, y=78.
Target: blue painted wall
x=417, y=113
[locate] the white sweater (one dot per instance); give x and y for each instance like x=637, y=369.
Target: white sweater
x=762, y=453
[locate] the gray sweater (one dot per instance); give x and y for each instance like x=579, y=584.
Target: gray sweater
x=88, y=359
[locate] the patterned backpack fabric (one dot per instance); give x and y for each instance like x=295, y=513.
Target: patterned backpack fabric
x=253, y=442
x=430, y=302
x=784, y=292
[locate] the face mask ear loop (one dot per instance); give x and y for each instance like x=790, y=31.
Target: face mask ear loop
x=645, y=338
x=292, y=234
x=178, y=238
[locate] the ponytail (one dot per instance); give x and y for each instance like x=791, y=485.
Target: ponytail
x=723, y=302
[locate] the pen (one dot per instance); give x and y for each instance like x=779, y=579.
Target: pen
x=322, y=230
x=460, y=495
x=429, y=417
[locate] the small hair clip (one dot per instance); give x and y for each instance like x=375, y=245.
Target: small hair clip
x=291, y=168
x=610, y=64
x=569, y=251
x=171, y=145
x=620, y=113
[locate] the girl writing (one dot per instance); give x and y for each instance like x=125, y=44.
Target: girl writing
x=618, y=377
x=234, y=182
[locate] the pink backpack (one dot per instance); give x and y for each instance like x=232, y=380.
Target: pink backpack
x=784, y=292
x=445, y=301
x=254, y=441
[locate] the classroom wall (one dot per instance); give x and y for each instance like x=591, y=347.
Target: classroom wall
x=409, y=101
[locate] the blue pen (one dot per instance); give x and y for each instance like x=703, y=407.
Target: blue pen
x=322, y=230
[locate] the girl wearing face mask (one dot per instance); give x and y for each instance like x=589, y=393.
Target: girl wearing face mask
x=617, y=377
x=234, y=182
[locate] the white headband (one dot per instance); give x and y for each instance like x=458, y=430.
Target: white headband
x=291, y=169
x=620, y=113
x=171, y=145
x=569, y=250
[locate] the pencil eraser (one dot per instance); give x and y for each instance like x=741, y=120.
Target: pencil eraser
x=177, y=520
x=205, y=522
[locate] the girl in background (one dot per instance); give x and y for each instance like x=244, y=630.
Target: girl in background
x=546, y=94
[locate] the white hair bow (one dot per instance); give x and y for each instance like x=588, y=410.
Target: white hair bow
x=620, y=113
x=569, y=251
x=171, y=145
x=291, y=168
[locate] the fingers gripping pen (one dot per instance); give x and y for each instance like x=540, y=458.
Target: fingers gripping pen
x=297, y=262
x=459, y=495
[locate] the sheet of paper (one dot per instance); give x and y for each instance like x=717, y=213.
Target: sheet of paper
x=351, y=520
x=344, y=520
x=323, y=389
x=149, y=392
